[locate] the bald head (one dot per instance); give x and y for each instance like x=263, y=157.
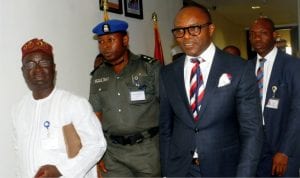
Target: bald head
x=194, y=9
x=232, y=50
x=266, y=21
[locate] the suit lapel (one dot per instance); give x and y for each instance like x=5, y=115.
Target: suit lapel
x=179, y=79
x=216, y=70
x=275, y=78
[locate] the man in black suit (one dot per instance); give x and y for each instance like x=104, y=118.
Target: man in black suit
x=280, y=98
x=209, y=124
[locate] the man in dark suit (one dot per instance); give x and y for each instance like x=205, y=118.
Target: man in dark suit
x=214, y=130
x=280, y=98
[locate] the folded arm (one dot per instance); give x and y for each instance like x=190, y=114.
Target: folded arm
x=92, y=140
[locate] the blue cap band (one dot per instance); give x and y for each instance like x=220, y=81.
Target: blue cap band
x=110, y=26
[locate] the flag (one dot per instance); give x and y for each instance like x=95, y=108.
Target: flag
x=158, y=52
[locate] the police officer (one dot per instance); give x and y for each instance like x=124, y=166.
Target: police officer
x=124, y=95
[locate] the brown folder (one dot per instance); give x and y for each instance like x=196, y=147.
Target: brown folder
x=72, y=140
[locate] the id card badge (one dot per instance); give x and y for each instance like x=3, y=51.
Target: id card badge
x=138, y=95
x=273, y=102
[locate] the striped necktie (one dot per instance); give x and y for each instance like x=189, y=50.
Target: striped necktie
x=260, y=76
x=196, y=88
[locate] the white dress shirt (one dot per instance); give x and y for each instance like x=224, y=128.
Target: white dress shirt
x=39, y=135
x=208, y=56
x=268, y=65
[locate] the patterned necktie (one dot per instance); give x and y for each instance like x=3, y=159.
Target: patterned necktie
x=196, y=88
x=260, y=76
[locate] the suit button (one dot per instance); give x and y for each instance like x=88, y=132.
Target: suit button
x=196, y=130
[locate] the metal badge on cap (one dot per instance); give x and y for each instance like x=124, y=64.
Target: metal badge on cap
x=106, y=28
x=109, y=25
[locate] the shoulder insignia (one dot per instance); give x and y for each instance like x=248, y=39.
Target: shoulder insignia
x=147, y=59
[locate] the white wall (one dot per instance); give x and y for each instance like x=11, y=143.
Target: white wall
x=67, y=25
x=229, y=33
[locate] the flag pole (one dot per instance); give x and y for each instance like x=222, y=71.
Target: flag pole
x=105, y=8
x=158, y=52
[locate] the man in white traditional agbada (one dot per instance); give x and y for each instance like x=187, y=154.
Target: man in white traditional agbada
x=57, y=133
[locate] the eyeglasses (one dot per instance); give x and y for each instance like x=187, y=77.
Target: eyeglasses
x=42, y=63
x=193, y=30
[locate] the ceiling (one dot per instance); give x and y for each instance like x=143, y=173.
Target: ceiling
x=282, y=12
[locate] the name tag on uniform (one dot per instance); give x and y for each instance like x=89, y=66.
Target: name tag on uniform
x=137, y=95
x=273, y=103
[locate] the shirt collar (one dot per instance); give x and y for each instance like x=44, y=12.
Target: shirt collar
x=207, y=55
x=270, y=56
x=46, y=98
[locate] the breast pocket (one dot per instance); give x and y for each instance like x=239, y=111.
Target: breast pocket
x=225, y=87
x=99, y=88
x=141, y=90
x=99, y=96
x=224, y=92
x=52, y=138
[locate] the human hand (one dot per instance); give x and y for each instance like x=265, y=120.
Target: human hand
x=100, y=116
x=280, y=162
x=47, y=171
x=101, y=168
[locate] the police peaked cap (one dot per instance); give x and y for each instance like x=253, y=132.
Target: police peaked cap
x=110, y=26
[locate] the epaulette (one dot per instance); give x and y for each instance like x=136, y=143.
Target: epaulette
x=147, y=58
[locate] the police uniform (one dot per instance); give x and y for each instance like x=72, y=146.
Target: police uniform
x=130, y=110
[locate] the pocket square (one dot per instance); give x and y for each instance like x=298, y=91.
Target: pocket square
x=224, y=80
